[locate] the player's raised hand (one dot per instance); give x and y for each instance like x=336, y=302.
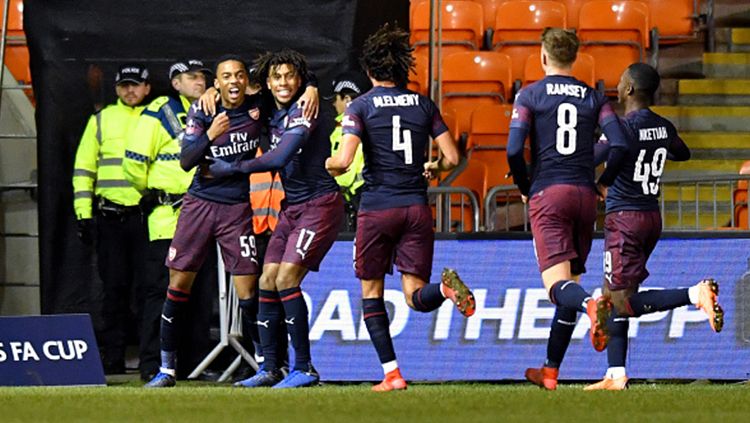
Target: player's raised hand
x=219, y=125
x=309, y=102
x=207, y=101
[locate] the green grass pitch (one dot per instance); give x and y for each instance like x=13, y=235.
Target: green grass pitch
x=453, y=402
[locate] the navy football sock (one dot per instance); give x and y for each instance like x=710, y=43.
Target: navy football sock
x=427, y=298
x=270, y=315
x=376, y=320
x=171, y=313
x=563, y=324
x=617, y=348
x=654, y=300
x=249, y=309
x=295, y=310
x=569, y=294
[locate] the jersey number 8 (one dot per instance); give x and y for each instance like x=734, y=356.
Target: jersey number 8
x=567, y=119
x=400, y=144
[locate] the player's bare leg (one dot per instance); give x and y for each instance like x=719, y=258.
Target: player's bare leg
x=178, y=295
x=376, y=321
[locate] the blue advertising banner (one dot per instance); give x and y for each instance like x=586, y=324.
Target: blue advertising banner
x=49, y=350
x=508, y=333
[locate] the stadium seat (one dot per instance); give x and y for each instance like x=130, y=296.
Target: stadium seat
x=418, y=79
x=573, y=8
x=474, y=79
x=15, y=18
x=489, y=9
x=518, y=28
x=462, y=26
x=473, y=177
x=740, y=199
x=616, y=34
x=674, y=19
x=584, y=69
x=17, y=61
x=488, y=139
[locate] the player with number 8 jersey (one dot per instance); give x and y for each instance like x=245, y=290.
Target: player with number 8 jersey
x=561, y=115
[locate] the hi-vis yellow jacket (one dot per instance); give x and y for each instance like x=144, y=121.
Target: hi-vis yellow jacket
x=351, y=180
x=152, y=159
x=98, y=164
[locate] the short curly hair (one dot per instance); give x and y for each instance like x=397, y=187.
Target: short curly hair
x=387, y=55
x=268, y=60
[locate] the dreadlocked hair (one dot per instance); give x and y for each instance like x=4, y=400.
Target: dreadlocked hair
x=268, y=60
x=386, y=55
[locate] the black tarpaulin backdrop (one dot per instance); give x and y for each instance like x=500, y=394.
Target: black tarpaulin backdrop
x=75, y=49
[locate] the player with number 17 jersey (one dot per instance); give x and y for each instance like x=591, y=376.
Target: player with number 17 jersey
x=395, y=126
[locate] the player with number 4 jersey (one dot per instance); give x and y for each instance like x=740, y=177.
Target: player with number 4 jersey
x=632, y=225
x=394, y=221
x=561, y=115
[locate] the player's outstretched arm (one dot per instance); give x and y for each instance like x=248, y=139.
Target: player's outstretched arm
x=338, y=164
x=207, y=102
x=290, y=143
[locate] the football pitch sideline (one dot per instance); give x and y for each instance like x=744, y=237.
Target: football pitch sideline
x=454, y=402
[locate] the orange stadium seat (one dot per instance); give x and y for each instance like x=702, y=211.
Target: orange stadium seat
x=418, y=79
x=740, y=199
x=519, y=26
x=472, y=79
x=17, y=61
x=473, y=177
x=15, y=17
x=488, y=139
x=462, y=26
x=616, y=34
x=573, y=7
x=584, y=69
x=675, y=19
x=489, y=9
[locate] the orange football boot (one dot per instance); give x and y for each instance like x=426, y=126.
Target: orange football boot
x=546, y=377
x=393, y=382
x=455, y=289
x=609, y=384
x=598, y=311
x=708, y=292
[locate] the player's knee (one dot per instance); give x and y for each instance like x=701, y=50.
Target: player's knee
x=286, y=281
x=267, y=282
x=181, y=281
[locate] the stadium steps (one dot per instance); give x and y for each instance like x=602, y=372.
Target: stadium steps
x=712, y=116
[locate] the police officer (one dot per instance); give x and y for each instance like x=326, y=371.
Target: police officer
x=346, y=87
x=102, y=194
x=152, y=165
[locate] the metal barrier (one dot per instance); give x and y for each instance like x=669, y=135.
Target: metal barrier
x=700, y=202
x=443, y=204
x=509, y=192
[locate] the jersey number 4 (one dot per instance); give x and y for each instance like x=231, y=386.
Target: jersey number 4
x=644, y=171
x=399, y=143
x=567, y=119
